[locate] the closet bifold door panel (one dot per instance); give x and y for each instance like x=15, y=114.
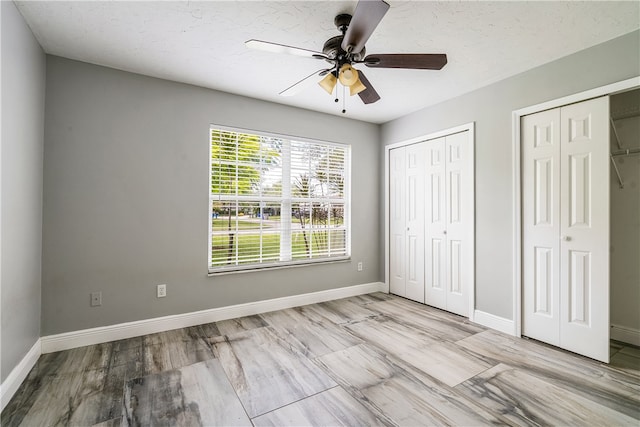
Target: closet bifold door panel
x=460, y=217
x=584, y=228
x=406, y=213
x=436, y=225
x=415, y=222
x=449, y=216
x=397, y=227
x=565, y=226
x=541, y=226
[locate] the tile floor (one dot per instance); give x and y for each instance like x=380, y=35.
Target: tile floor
x=368, y=360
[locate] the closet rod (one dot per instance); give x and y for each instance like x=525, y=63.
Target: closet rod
x=625, y=152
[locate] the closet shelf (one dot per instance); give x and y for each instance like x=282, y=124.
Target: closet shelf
x=625, y=152
x=621, y=151
x=625, y=115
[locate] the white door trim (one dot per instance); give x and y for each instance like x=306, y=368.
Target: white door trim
x=470, y=127
x=609, y=89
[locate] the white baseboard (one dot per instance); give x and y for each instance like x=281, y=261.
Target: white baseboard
x=625, y=334
x=15, y=378
x=120, y=331
x=494, y=322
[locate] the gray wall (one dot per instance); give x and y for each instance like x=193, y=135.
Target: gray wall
x=23, y=80
x=491, y=109
x=625, y=216
x=126, y=197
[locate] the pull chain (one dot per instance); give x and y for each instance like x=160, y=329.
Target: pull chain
x=343, y=101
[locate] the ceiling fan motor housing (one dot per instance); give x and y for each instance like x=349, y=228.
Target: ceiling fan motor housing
x=332, y=47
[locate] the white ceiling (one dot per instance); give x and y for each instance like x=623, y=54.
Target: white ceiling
x=202, y=43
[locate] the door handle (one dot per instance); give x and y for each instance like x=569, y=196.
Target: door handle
x=566, y=238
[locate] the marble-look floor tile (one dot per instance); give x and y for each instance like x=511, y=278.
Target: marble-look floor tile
x=82, y=386
x=195, y=395
x=398, y=396
x=342, y=311
x=334, y=407
x=241, y=324
x=631, y=350
x=526, y=399
x=367, y=299
x=442, y=360
x=210, y=330
x=79, y=398
x=114, y=422
x=610, y=387
x=311, y=335
x=174, y=349
x=99, y=397
x=265, y=373
x=627, y=359
x=73, y=361
x=614, y=347
x=437, y=323
x=396, y=358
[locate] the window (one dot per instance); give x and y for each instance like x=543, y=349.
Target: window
x=276, y=201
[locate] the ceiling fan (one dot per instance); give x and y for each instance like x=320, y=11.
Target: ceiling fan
x=345, y=50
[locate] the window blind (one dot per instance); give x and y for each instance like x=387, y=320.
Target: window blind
x=276, y=201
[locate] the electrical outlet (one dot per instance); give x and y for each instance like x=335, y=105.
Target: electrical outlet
x=360, y=266
x=96, y=299
x=161, y=291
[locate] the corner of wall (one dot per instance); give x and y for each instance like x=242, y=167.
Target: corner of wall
x=22, y=116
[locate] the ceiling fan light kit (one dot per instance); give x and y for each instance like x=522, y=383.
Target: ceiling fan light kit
x=328, y=83
x=349, y=48
x=348, y=75
x=356, y=88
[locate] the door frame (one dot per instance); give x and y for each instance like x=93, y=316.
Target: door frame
x=470, y=127
x=610, y=89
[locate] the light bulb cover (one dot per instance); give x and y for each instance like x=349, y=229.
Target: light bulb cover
x=348, y=75
x=328, y=83
x=356, y=88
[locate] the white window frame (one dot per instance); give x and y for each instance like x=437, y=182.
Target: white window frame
x=214, y=271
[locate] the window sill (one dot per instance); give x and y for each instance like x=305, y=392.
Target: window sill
x=279, y=266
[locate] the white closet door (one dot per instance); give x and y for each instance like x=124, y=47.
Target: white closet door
x=459, y=220
x=436, y=224
x=449, y=221
x=415, y=222
x=541, y=225
x=565, y=225
x=584, y=228
x=397, y=221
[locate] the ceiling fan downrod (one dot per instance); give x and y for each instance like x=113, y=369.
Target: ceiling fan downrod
x=342, y=22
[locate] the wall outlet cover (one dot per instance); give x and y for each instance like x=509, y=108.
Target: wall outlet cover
x=96, y=299
x=161, y=291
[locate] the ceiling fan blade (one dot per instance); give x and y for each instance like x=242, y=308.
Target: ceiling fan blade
x=369, y=95
x=418, y=61
x=304, y=83
x=366, y=18
x=281, y=48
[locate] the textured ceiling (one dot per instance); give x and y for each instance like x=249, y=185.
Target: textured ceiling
x=202, y=43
